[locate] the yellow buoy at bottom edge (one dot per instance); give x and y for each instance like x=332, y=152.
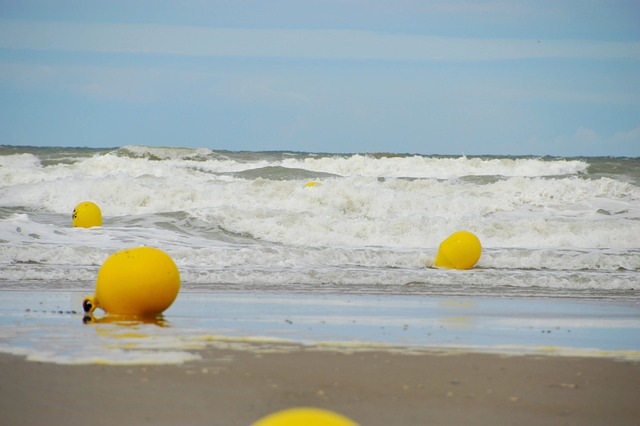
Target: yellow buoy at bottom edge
x=304, y=417
x=136, y=281
x=461, y=250
x=86, y=215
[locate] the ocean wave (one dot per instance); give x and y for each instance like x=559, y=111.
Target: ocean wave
x=233, y=218
x=374, y=165
x=281, y=173
x=437, y=167
x=166, y=153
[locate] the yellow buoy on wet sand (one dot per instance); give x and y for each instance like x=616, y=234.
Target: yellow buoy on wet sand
x=86, y=215
x=461, y=250
x=304, y=417
x=136, y=281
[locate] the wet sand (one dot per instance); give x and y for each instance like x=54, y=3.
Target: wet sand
x=237, y=387
x=230, y=359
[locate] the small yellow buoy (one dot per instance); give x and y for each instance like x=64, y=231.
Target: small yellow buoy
x=461, y=250
x=304, y=417
x=312, y=184
x=137, y=281
x=86, y=215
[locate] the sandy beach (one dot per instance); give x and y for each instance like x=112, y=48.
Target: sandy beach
x=237, y=387
x=230, y=359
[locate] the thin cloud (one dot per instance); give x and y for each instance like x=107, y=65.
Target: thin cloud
x=293, y=44
x=127, y=84
x=585, y=139
x=631, y=136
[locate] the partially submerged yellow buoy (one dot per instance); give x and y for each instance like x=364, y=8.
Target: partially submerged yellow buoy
x=136, y=281
x=304, y=417
x=86, y=215
x=461, y=250
x=312, y=184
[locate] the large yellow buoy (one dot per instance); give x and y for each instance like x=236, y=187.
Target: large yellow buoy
x=304, y=417
x=461, y=250
x=86, y=215
x=137, y=281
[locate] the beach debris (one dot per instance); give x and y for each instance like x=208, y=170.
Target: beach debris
x=461, y=250
x=137, y=281
x=52, y=312
x=86, y=215
x=565, y=386
x=305, y=416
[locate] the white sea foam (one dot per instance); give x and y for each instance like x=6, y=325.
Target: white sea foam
x=372, y=219
x=439, y=168
x=376, y=165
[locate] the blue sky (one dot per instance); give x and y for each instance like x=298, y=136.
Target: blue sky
x=502, y=77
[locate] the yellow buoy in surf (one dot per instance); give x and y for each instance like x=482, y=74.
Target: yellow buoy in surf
x=304, y=417
x=312, y=184
x=87, y=214
x=137, y=281
x=461, y=250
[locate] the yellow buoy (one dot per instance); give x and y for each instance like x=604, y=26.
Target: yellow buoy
x=86, y=215
x=461, y=250
x=304, y=417
x=137, y=281
x=312, y=184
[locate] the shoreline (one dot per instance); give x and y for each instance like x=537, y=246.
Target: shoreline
x=50, y=326
x=237, y=387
